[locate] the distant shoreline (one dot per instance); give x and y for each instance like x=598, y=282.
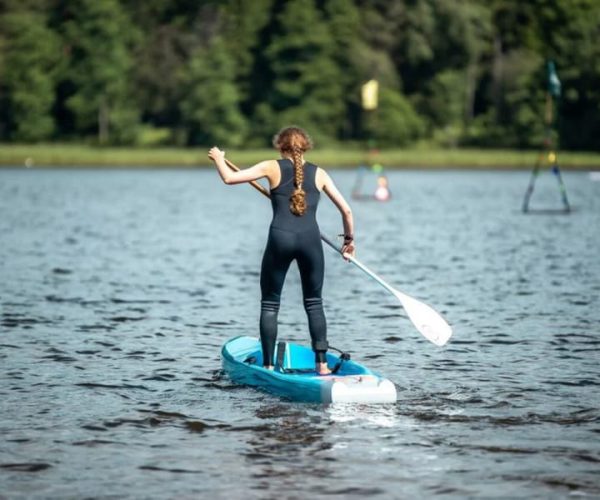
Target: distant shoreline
x=80, y=156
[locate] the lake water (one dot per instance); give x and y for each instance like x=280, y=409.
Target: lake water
x=118, y=288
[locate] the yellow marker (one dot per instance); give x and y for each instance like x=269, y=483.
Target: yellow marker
x=369, y=95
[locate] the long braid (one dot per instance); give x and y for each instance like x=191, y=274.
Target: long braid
x=298, y=198
x=295, y=142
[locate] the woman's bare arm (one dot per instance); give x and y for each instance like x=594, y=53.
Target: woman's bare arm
x=338, y=200
x=258, y=171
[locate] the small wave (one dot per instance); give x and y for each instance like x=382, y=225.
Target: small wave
x=26, y=466
x=573, y=383
x=139, y=301
x=94, y=428
x=92, y=443
x=59, y=358
x=166, y=377
x=572, y=484
x=166, y=469
x=393, y=339
x=91, y=328
x=196, y=425
x=61, y=270
x=63, y=300
x=440, y=415
x=506, y=342
x=19, y=320
x=94, y=385
x=351, y=491
x=124, y=319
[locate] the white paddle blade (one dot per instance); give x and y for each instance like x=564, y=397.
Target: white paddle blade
x=429, y=323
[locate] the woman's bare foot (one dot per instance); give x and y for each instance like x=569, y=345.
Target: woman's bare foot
x=322, y=369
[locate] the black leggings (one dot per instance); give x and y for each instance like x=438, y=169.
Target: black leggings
x=282, y=248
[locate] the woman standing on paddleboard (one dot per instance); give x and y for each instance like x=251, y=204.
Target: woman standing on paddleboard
x=296, y=186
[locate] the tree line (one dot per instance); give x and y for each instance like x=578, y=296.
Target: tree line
x=230, y=72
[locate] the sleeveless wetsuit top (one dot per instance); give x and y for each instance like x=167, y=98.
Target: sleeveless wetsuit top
x=283, y=218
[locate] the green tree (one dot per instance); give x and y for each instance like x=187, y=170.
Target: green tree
x=210, y=106
x=343, y=22
x=518, y=117
x=306, y=86
x=575, y=48
x=243, y=25
x=395, y=121
x=100, y=39
x=514, y=116
x=413, y=27
x=526, y=35
x=171, y=33
x=445, y=97
x=159, y=63
x=473, y=69
x=32, y=54
x=463, y=41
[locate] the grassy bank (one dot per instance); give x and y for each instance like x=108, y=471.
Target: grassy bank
x=88, y=156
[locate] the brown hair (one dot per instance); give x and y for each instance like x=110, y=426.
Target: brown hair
x=295, y=141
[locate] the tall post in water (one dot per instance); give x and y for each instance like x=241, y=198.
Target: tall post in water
x=548, y=152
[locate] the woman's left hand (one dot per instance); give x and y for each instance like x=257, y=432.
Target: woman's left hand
x=216, y=154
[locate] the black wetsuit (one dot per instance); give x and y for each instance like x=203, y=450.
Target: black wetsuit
x=293, y=237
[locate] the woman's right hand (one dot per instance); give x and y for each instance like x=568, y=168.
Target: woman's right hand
x=215, y=154
x=348, y=250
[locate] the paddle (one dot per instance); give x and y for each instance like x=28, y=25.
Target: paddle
x=427, y=321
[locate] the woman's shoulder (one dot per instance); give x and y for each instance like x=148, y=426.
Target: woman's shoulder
x=321, y=171
x=321, y=178
x=268, y=168
x=269, y=165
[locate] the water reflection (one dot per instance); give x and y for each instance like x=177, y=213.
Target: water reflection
x=375, y=415
x=285, y=448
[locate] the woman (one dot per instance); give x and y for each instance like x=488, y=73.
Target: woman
x=294, y=235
